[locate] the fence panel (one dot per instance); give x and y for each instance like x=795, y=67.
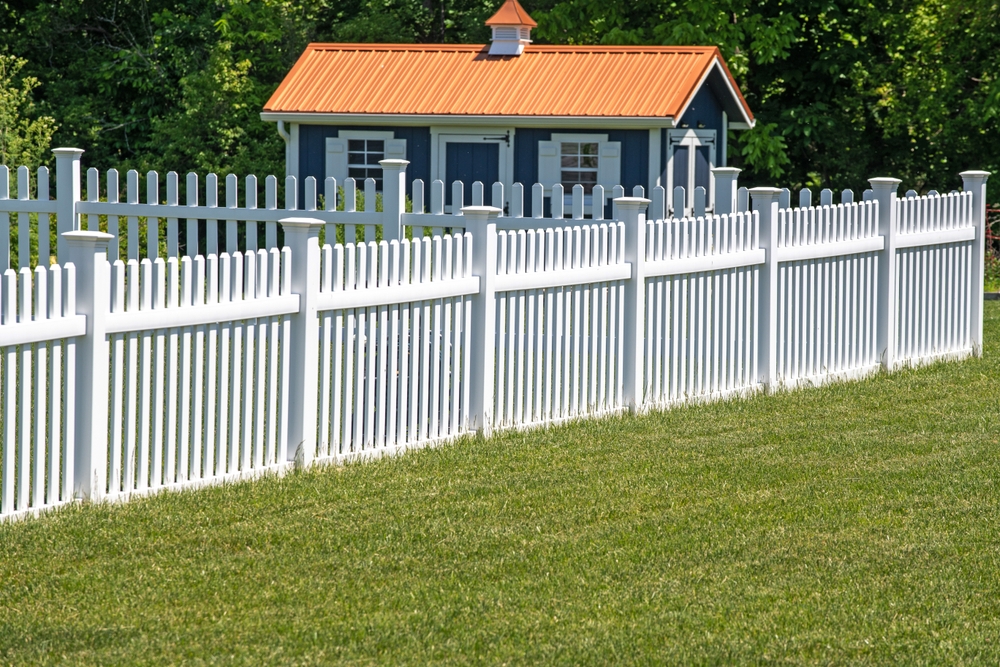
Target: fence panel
x=827, y=292
x=701, y=304
x=154, y=226
x=198, y=367
x=26, y=232
x=430, y=218
x=559, y=323
x=934, y=263
x=395, y=327
x=38, y=325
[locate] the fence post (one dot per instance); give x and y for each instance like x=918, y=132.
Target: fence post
x=67, y=194
x=885, y=317
x=975, y=182
x=481, y=222
x=88, y=252
x=765, y=204
x=393, y=198
x=632, y=212
x=726, y=179
x=302, y=238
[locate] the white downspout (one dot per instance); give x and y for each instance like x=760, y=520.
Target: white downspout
x=288, y=144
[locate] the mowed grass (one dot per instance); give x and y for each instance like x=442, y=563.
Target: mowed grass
x=857, y=523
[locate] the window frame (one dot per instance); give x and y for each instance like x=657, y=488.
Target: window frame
x=602, y=142
x=366, y=135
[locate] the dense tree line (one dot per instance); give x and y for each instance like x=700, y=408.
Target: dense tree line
x=842, y=89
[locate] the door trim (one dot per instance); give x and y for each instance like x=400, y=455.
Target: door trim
x=443, y=134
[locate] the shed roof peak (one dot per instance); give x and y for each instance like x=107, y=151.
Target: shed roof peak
x=511, y=13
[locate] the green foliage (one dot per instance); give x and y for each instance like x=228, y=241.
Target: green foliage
x=842, y=91
x=24, y=136
x=764, y=148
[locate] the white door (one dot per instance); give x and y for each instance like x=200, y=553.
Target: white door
x=690, y=159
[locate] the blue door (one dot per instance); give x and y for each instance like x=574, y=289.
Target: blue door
x=469, y=162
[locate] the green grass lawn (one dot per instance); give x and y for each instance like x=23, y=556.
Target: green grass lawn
x=857, y=523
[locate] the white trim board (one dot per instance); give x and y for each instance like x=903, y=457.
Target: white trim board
x=466, y=121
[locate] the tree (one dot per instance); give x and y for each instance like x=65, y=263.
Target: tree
x=25, y=137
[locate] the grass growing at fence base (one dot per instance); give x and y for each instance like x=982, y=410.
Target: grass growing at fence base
x=857, y=523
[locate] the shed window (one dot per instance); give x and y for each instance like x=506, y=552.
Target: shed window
x=363, y=157
x=579, y=160
x=588, y=160
x=356, y=154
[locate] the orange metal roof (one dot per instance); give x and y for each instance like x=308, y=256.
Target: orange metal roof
x=463, y=79
x=511, y=13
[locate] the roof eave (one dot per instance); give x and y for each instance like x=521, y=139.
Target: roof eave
x=327, y=118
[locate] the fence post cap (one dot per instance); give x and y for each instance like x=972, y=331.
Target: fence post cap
x=975, y=175
x=481, y=212
x=632, y=202
x=82, y=237
x=67, y=152
x=301, y=223
x=726, y=171
x=884, y=182
x=398, y=164
x=764, y=195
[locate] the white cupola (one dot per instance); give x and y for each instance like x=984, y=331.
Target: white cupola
x=511, y=29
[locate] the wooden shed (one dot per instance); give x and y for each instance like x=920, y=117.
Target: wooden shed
x=511, y=111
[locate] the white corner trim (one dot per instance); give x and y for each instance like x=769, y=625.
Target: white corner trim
x=654, y=159
x=724, y=140
x=292, y=165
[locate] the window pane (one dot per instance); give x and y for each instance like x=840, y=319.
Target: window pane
x=356, y=158
x=356, y=144
x=579, y=165
x=376, y=145
x=373, y=158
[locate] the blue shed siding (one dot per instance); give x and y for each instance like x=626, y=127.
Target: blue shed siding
x=635, y=157
x=312, y=151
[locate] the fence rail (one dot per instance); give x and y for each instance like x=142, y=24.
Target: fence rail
x=124, y=377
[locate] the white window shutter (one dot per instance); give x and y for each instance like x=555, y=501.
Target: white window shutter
x=609, y=166
x=336, y=159
x=549, y=172
x=395, y=149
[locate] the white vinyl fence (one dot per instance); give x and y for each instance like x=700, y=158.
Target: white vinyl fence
x=126, y=375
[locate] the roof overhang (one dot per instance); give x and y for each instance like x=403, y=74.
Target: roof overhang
x=402, y=120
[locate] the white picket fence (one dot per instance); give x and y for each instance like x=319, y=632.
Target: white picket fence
x=126, y=376
x=150, y=221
